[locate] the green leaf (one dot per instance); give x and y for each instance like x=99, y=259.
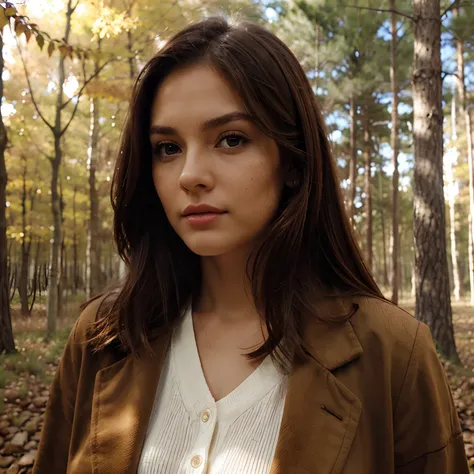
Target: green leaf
x=40, y=41
x=10, y=11
x=50, y=48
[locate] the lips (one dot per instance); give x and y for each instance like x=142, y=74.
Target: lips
x=195, y=209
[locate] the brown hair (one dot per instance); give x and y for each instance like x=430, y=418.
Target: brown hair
x=309, y=250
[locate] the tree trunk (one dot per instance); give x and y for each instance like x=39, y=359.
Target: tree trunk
x=470, y=258
x=36, y=281
x=382, y=224
x=54, y=267
x=93, y=241
x=131, y=64
x=433, y=300
x=7, y=344
x=400, y=266
x=63, y=274
x=395, y=248
x=23, y=280
x=316, y=59
x=461, y=86
x=54, y=271
x=450, y=161
x=75, y=270
x=470, y=159
x=368, y=189
x=353, y=162
x=64, y=286
x=452, y=234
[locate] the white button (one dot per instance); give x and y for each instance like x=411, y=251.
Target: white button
x=196, y=461
x=206, y=414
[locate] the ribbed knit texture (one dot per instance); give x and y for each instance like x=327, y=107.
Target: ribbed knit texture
x=241, y=431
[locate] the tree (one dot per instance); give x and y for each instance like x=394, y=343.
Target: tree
x=450, y=161
x=368, y=187
x=394, y=144
x=353, y=156
x=58, y=130
x=433, y=300
x=7, y=343
x=93, y=241
x=462, y=29
x=26, y=235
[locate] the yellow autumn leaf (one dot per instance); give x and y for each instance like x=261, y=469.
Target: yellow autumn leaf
x=3, y=19
x=63, y=50
x=50, y=48
x=10, y=11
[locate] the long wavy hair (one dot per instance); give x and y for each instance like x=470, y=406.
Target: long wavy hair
x=308, y=251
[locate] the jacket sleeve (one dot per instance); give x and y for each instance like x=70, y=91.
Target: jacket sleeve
x=427, y=432
x=52, y=456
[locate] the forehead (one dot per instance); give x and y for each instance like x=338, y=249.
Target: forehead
x=198, y=92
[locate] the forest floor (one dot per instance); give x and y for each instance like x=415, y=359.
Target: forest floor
x=25, y=378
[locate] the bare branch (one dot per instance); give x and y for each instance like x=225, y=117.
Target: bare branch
x=86, y=81
x=453, y=5
x=73, y=9
x=79, y=94
x=382, y=10
x=27, y=74
x=448, y=73
x=63, y=131
x=84, y=70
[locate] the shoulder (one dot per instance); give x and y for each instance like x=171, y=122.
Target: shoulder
x=382, y=320
x=81, y=342
x=87, y=318
x=391, y=337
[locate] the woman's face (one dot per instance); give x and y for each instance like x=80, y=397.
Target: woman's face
x=208, y=152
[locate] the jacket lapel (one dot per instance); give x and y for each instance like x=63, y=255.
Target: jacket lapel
x=124, y=394
x=321, y=414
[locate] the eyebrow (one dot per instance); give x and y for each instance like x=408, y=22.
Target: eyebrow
x=207, y=125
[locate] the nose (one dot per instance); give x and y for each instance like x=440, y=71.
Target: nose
x=196, y=172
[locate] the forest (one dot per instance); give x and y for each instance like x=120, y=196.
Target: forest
x=395, y=82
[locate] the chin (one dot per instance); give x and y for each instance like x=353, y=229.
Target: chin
x=209, y=247
x=208, y=250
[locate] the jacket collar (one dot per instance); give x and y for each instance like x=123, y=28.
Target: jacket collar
x=333, y=344
x=320, y=416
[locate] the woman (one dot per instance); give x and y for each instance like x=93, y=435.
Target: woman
x=248, y=335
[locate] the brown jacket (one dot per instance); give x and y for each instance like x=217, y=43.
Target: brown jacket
x=374, y=399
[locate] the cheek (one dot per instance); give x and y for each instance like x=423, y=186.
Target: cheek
x=262, y=192
x=162, y=189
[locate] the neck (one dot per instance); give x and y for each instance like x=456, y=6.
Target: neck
x=226, y=290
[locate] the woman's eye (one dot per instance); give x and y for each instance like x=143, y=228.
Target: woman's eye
x=166, y=149
x=232, y=141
